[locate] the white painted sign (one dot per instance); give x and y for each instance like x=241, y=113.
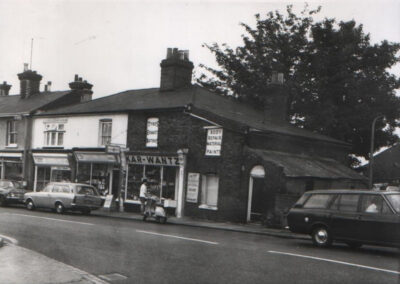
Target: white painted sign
x=108, y=201
x=214, y=142
x=153, y=160
x=152, y=132
x=192, y=187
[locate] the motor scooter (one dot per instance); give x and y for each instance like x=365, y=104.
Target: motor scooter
x=154, y=208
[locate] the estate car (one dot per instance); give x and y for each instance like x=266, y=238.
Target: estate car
x=61, y=196
x=354, y=217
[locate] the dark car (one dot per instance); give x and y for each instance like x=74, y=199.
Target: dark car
x=354, y=217
x=11, y=192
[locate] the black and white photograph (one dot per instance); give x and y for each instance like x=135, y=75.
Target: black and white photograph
x=199, y=141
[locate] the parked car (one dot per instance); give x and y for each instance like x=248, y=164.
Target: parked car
x=11, y=192
x=355, y=217
x=62, y=196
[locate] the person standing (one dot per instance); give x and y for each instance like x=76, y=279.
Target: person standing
x=143, y=194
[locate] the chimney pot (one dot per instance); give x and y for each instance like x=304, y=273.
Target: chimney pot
x=186, y=54
x=76, y=78
x=169, y=53
x=26, y=67
x=80, y=79
x=49, y=83
x=45, y=88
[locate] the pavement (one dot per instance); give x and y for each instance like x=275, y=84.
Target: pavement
x=20, y=265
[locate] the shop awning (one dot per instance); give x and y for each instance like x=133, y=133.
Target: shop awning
x=10, y=155
x=307, y=166
x=95, y=157
x=50, y=159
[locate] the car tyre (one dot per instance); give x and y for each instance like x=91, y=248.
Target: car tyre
x=30, y=205
x=59, y=208
x=163, y=220
x=2, y=201
x=321, y=237
x=354, y=245
x=86, y=212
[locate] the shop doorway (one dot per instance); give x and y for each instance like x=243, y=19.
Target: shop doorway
x=257, y=195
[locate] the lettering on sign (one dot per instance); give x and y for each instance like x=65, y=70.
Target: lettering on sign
x=214, y=142
x=153, y=160
x=192, y=191
x=152, y=132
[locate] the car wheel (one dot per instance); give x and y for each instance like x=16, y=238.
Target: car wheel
x=86, y=212
x=163, y=220
x=321, y=237
x=2, y=201
x=59, y=208
x=354, y=245
x=30, y=205
x=144, y=217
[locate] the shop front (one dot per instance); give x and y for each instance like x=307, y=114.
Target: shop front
x=11, y=166
x=162, y=173
x=98, y=169
x=51, y=167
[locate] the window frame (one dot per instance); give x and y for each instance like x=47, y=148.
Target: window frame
x=105, y=121
x=11, y=133
x=58, y=132
x=204, y=192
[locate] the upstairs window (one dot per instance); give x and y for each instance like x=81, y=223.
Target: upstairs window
x=54, y=134
x=11, y=133
x=105, y=130
x=152, y=132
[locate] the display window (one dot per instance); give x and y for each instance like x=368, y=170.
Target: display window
x=94, y=174
x=12, y=170
x=52, y=174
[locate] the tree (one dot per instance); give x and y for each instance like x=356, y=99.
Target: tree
x=338, y=81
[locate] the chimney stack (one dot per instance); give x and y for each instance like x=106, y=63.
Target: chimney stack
x=29, y=82
x=4, y=89
x=176, y=70
x=276, y=99
x=83, y=88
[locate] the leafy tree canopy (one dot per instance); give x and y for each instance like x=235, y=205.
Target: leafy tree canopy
x=338, y=81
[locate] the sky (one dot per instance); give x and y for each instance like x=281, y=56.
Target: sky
x=118, y=45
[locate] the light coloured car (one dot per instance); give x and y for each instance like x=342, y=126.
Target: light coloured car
x=63, y=196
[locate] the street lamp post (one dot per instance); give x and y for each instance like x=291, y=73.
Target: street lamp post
x=371, y=151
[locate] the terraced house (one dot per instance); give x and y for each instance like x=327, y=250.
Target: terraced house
x=16, y=119
x=208, y=156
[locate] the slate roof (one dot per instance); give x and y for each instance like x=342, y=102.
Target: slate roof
x=14, y=105
x=199, y=97
x=307, y=166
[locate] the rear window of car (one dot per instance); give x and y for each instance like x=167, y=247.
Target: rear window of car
x=6, y=184
x=373, y=203
x=87, y=190
x=394, y=199
x=318, y=201
x=346, y=202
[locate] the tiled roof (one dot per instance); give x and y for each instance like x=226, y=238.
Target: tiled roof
x=307, y=166
x=199, y=97
x=14, y=105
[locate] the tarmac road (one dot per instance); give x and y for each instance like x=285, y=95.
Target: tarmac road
x=145, y=252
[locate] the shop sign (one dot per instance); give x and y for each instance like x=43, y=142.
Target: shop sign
x=214, y=142
x=113, y=149
x=153, y=160
x=193, y=187
x=152, y=132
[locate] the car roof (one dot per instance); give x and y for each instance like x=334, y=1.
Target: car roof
x=344, y=191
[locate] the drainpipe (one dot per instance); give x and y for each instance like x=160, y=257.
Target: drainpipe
x=181, y=187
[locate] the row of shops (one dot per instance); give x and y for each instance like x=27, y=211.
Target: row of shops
x=100, y=169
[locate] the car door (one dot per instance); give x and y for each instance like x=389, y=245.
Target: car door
x=40, y=199
x=344, y=218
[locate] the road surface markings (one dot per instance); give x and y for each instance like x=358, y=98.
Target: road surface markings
x=9, y=239
x=53, y=219
x=177, y=237
x=336, y=261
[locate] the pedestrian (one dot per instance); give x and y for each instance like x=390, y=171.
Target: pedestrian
x=143, y=194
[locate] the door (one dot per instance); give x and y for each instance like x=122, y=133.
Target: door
x=256, y=206
x=344, y=220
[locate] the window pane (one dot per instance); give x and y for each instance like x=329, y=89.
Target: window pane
x=371, y=203
x=60, y=138
x=210, y=190
x=395, y=201
x=348, y=202
x=318, y=201
x=53, y=138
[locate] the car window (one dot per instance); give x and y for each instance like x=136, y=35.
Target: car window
x=87, y=190
x=394, y=199
x=302, y=199
x=347, y=202
x=318, y=201
x=374, y=204
x=48, y=188
x=57, y=188
x=6, y=184
x=65, y=189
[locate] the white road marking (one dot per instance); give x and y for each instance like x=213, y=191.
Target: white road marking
x=177, y=237
x=336, y=261
x=53, y=219
x=9, y=239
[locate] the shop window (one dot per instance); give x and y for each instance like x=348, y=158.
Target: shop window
x=105, y=129
x=152, y=132
x=54, y=134
x=209, y=191
x=214, y=142
x=11, y=133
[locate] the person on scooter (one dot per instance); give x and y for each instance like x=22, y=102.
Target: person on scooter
x=143, y=194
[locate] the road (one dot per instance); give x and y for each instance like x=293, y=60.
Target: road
x=146, y=252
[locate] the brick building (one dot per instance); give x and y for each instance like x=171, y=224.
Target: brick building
x=211, y=157
x=16, y=119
